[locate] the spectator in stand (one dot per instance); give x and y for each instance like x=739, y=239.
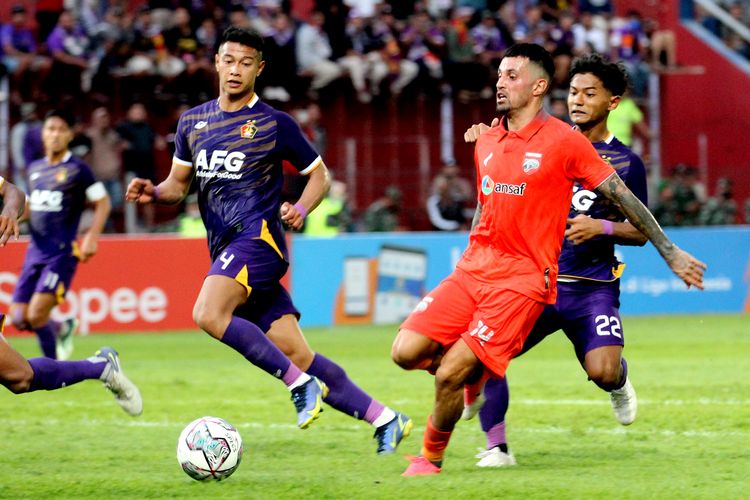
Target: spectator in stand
x=463, y=70
x=626, y=119
x=424, y=44
x=138, y=155
x=69, y=47
x=382, y=214
x=596, y=7
x=196, y=82
x=628, y=44
x=106, y=161
x=314, y=51
x=489, y=43
x=332, y=216
x=18, y=49
x=386, y=58
x=720, y=209
x=280, y=81
x=25, y=143
x=589, y=35
x=451, y=204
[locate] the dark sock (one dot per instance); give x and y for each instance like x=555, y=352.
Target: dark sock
x=50, y=374
x=250, y=341
x=47, y=335
x=343, y=394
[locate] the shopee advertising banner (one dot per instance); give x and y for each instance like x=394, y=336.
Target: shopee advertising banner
x=132, y=284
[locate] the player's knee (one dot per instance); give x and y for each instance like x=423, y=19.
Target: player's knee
x=605, y=373
x=18, y=378
x=208, y=320
x=450, y=377
x=37, y=319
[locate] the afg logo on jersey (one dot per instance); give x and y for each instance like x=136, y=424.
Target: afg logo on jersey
x=532, y=162
x=248, y=130
x=222, y=164
x=489, y=186
x=45, y=200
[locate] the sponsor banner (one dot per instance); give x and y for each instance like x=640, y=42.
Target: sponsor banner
x=131, y=284
x=372, y=278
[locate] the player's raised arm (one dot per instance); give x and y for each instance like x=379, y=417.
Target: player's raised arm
x=14, y=204
x=318, y=184
x=688, y=268
x=169, y=192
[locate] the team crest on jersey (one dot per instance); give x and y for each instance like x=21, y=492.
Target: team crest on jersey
x=61, y=174
x=532, y=162
x=248, y=130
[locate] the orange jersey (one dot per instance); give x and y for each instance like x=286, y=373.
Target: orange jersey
x=525, y=183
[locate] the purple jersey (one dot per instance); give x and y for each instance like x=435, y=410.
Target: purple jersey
x=21, y=39
x=237, y=158
x=57, y=200
x=595, y=259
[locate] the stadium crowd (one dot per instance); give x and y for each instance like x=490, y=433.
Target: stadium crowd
x=128, y=69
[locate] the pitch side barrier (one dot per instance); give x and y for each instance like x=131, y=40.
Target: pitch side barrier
x=380, y=277
x=149, y=283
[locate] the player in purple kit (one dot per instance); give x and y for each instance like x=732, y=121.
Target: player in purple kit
x=19, y=375
x=60, y=185
x=234, y=147
x=588, y=286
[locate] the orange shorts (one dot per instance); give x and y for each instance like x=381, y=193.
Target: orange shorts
x=494, y=322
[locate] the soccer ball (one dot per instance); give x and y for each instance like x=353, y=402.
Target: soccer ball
x=209, y=448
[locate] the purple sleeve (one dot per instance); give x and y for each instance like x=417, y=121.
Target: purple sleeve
x=55, y=42
x=181, y=146
x=635, y=178
x=294, y=146
x=85, y=176
x=5, y=38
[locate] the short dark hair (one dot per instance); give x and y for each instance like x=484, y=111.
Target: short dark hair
x=534, y=53
x=243, y=36
x=613, y=75
x=62, y=114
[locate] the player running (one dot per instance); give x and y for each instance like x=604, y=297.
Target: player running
x=21, y=375
x=234, y=147
x=588, y=286
x=480, y=316
x=60, y=185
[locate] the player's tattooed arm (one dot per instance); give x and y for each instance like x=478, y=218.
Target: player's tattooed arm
x=684, y=265
x=477, y=215
x=14, y=205
x=169, y=192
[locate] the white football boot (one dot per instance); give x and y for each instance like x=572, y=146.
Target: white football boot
x=624, y=403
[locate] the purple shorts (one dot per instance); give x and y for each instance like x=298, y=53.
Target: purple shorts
x=258, y=267
x=588, y=313
x=48, y=276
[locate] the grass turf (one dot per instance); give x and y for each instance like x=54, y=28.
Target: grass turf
x=691, y=438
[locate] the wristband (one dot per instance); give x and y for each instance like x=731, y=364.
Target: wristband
x=608, y=226
x=155, y=195
x=301, y=209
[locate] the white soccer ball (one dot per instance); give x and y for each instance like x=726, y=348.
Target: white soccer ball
x=209, y=448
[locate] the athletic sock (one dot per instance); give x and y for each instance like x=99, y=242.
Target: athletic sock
x=47, y=335
x=250, y=341
x=434, y=443
x=343, y=394
x=50, y=374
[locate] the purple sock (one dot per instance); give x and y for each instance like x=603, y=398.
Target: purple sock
x=247, y=339
x=492, y=414
x=343, y=394
x=50, y=374
x=496, y=403
x=624, y=375
x=47, y=335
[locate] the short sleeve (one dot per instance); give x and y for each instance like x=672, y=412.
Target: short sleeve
x=635, y=179
x=294, y=146
x=182, y=153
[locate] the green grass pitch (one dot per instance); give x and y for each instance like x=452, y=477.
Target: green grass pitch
x=691, y=438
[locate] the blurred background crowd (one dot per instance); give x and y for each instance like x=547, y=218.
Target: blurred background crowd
x=129, y=68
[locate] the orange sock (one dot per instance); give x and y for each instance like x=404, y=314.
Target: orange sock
x=471, y=391
x=434, y=443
